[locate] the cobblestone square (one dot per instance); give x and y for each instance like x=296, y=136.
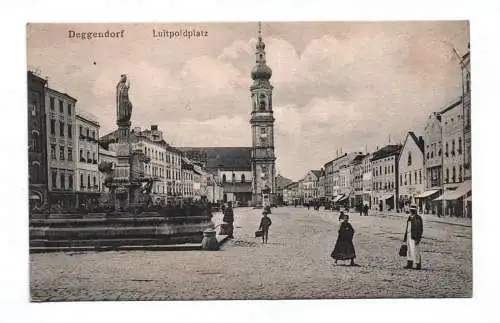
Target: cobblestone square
x=294, y=265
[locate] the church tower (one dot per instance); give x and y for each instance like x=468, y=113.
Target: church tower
x=262, y=125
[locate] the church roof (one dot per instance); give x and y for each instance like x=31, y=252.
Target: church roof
x=223, y=158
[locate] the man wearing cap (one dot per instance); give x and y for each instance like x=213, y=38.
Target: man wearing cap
x=413, y=235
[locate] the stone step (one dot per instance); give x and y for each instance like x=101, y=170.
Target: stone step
x=108, y=233
x=98, y=242
x=176, y=247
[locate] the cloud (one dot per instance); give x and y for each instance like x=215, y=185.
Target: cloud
x=336, y=85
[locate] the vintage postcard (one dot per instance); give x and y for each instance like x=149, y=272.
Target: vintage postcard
x=245, y=161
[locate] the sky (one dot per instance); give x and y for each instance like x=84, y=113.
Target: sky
x=353, y=86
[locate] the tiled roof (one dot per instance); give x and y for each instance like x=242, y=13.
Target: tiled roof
x=386, y=151
x=223, y=158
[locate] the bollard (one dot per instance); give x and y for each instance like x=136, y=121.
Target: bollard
x=209, y=241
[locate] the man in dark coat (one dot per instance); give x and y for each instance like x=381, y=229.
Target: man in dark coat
x=228, y=220
x=413, y=236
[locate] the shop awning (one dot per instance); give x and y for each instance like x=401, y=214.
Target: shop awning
x=34, y=197
x=462, y=190
x=426, y=194
x=343, y=198
x=387, y=196
x=338, y=198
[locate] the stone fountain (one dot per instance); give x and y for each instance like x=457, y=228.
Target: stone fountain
x=130, y=223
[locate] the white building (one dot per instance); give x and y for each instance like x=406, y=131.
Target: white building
x=411, y=170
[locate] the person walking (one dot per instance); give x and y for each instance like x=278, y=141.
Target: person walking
x=228, y=220
x=265, y=223
x=344, y=248
x=413, y=236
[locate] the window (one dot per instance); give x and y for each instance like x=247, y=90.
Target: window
x=224, y=178
x=88, y=158
x=88, y=181
x=406, y=178
x=447, y=178
x=33, y=109
x=400, y=179
x=70, y=131
x=61, y=129
x=52, y=103
x=453, y=147
x=82, y=157
x=81, y=131
x=420, y=177
x=54, y=179
x=234, y=178
x=94, y=160
x=467, y=82
x=61, y=152
x=70, y=181
x=63, y=181
x=95, y=181
x=446, y=150
x=454, y=174
x=243, y=178
x=409, y=158
x=460, y=174
x=52, y=126
x=34, y=142
x=262, y=130
x=53, y=152
x=70, y=107
x=61, y=106
x=410, y=177
x=88, y=132
x=459, y=145
x=93, y=134
x=415, y=177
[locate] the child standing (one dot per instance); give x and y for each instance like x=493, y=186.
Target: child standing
x=265, y=223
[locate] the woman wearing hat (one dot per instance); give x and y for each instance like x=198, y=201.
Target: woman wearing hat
x=413, y=235
x=344, y=248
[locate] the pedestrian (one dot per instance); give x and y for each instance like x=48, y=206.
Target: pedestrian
x=228, y=220
x=366, y=209
x=360, y=207
x=344, y=248
x=341, y=216
x=413, y=236
x=265, y=223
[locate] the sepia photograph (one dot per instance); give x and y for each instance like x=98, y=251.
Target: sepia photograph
x=249, y=160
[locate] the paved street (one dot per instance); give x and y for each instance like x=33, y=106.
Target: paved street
x=295, y=264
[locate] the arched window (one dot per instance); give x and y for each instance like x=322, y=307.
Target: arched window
x=243, y=178
x=459, y=145
x=409, y=158
x=447, y=175
x=234, y=178
x=446, y=150
x=224, y=178
x=467, y=82
x=454, y=174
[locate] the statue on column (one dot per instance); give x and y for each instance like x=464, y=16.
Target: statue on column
x=123, y=104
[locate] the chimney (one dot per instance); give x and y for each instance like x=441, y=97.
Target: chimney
x=154, y=127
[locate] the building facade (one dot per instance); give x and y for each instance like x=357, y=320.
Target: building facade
x=466, y=101
x=384, y=177
x=366, y=166
x=37, y=141
x=452, y=123
x=262, y=126
x=411, y=171
x=309, y=186
x=60, y=124
x=87, y=164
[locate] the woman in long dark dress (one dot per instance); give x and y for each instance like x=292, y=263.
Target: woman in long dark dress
x=344, y=248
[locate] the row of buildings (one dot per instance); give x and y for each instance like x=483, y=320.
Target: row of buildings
x=65, y=149
x=433, y=170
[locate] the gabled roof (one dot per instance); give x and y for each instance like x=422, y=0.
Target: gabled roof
x=282, y=181
x=420, y=143
x=316, y=173
x=223, y=158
